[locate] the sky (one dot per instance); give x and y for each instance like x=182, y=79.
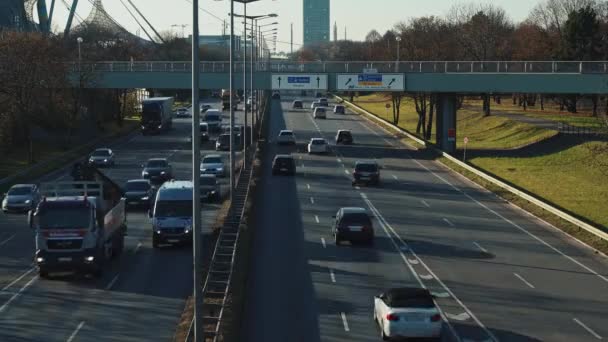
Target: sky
x=357, y=16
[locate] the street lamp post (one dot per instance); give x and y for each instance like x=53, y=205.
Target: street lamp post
x=398, y=53
x=79, y=40
x=196, y=201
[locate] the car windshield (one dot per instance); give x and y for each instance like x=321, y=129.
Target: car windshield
x=173, y=208
x=20, y=191
x=345, y=134
x=285, y=133
x=157, y=163
x=212, y=160
x=366, y=167
x=182, y=110
x=137, y=186
x=422, y=302
x=64, y=218
x=318, y=142
x=224, y=138
x=101, y=153
x=203, y=128
x=208, y=181
x=212, y=117
x=320, y=110
x=284, y=161
x=356, y=218
x=298, y=103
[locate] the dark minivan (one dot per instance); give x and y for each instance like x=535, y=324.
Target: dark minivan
x=366, y=172
x=354, y=225
x=283, y=164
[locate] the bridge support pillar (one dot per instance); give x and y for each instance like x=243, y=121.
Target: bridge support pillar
x=446, y=122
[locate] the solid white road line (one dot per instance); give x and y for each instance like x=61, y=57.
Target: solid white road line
x=344, y=321
x=346, y=172
x=308, y=186
x=589, y=269
x=317, y=218
x=323, y=243
x=8, y=302
x=425, y=276
x=386, y=227
x=18, y=278
x=71, y=338
x=524, y=280
x=395, y=177
x=357, y=187
x=587, y=328
x=137, y=248
x=312, y=200
x=480, y=248
x=425, y=204
x=448, y=222
x=332, y=275
x=7, y=239
x=303, y=165
x=109, y=286
x=339, y=160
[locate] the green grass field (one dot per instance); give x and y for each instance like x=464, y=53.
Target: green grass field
x=559, y=169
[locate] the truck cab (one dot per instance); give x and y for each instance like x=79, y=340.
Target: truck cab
x=171, y=214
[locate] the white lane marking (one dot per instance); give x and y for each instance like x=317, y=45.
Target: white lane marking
x=514, y=224
x=448, y=222
x=300, y=157
x=441, y=294
x=459, y=317
x=587, y=328
x=339, y=160
x=395, y=177
x=524, y=280
x=18, y=278
x=332, y=275
x=312, y=200
x=109, y=286
x=413, y=261
x=344, y=321
x=425, y=204
x=357, y=187
x=346, y=172
x=317, y=218
x=137, y=248
x=323, y=243
x=8, y=239
x=425, y=276
x=386, y=227
x=308, y=186
x=303, y=165
x=16, y=295
x=480, y=248
x=71, y=338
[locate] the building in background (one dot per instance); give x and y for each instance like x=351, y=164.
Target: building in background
x=335, y=31
x=316, y=21
x=14, y=15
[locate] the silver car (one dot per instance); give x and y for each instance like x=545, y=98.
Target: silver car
x=212, y=164
x=102, y=157
x=21, y=198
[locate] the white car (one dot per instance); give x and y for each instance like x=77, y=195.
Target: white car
x=317, y=145
x=102, y=157
x=21, y=197
x=315, y=104
x=407, y=313
x=212, y=164
x=182, y=112
x=286, y=137
x=319, y=113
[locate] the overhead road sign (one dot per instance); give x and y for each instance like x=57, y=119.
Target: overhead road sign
x=299, y=82
x=371, y=82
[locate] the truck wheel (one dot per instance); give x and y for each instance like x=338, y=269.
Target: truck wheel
x=43, y=274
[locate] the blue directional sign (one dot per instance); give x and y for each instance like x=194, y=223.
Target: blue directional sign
x=298, y=79
x=370, y=78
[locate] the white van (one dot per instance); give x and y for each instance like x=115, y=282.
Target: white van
x=213, y=118
x=171, y=214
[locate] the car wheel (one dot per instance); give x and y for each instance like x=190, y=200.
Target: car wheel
x=43, y=273
x=337, y=240
x=154, y=242
x=383, y=335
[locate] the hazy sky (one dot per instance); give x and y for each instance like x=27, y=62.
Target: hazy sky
x=358, y=16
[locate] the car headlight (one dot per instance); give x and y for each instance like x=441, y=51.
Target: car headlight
x=39, y=259
x=91, y=160
x=89, y=258
x=187, y=229
x=28, y=201
x=160, y=126
x=145, y=173
x=158, y=231
x=105, y=160
x=145, y=198
x=162, y=172
x=220, y=169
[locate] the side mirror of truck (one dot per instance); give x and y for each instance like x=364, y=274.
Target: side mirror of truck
x=30, y=219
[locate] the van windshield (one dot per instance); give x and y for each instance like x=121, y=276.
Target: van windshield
x=173, y=209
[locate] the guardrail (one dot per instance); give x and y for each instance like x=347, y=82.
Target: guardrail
x=528, y=67
x=565, y=216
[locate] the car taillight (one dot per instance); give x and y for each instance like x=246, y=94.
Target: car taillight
x=436, y=318
x=367, y=228
x=392, y=317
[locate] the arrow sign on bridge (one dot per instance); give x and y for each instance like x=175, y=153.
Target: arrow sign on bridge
x=280, y=81
x=299, y=81
x=370, y=82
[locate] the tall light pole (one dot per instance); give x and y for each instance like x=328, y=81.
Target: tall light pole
x=79, y=40
x=196, y=171
x=398, y=53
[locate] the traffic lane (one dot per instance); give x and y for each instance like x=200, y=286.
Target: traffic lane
x=514, y=281
x=279, y=274
x=356, y=273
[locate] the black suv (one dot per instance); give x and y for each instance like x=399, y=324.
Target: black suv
x=283, y=164
x=354, y=225
x=297, y=104
x=366, y=172
x=344, y=137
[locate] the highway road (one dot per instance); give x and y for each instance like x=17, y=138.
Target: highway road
x=141, y=295
x=498, y=273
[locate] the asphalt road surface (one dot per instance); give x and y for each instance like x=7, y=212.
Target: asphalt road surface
x=497, y=272
x=141, y=295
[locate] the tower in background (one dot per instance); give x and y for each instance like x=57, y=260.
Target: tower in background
x=335, y=31
x=316, y=21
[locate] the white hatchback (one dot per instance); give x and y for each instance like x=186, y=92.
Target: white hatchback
x=319, y=113
x=317, y=145
x=286, y=137
x=407, y=313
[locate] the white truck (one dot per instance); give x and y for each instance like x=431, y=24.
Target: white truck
x=156, y=115
x=78, y=226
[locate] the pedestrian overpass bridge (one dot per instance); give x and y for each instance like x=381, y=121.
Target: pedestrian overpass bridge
x=552, y=77
x=447, y=79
